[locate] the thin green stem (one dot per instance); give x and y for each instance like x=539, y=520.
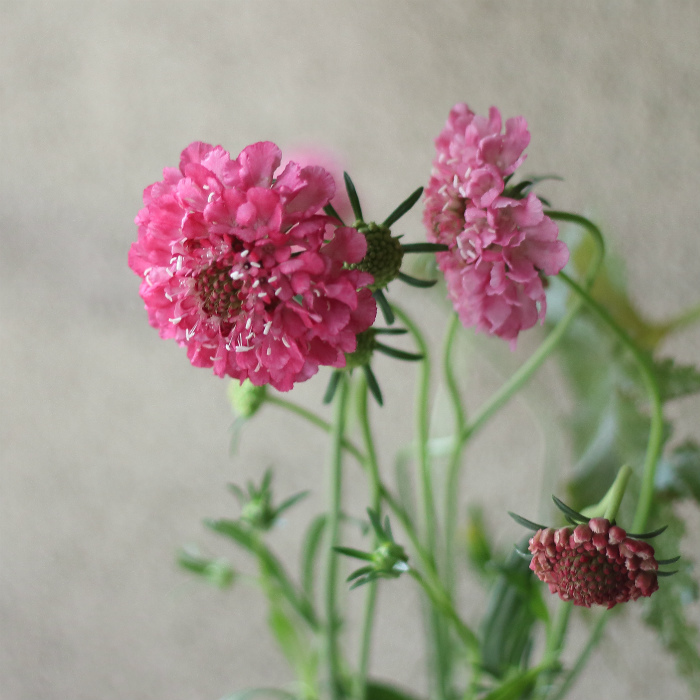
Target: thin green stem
x=523, y=375
x=333, y=525
x=315, y=420
x=455, y=463
x=376, y=499
x=656, y=432
x=443, y=604
x=582, y=660
x=441, y=660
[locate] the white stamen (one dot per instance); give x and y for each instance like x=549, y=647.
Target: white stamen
x=285, y=342
x=268, y=325
x=248, y=323
x=210, y=197
x=455, y=182
x=245, y=252
x=236, y=275
x=243, y=348
x=278, y=291
x=167, y=296
x=272, y=279
x=175, y=320
x=178, y=264
x=269, y=351
x=254, y=264
x=256, y=284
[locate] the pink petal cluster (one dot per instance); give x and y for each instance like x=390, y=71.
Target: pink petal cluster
x=595, y=563
x=239, y=267
x=499, y=245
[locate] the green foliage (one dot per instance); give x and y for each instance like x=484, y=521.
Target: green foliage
x=666, y=610
x=678, y=475
x=217, y=572
x=384, y=691
x=515, y=606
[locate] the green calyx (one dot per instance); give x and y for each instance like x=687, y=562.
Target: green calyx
x=384, y=254
x=366, y=345
x=246, y=398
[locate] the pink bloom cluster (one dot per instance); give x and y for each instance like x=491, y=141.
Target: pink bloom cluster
x=595, y=563
x=239, y=267
x=499, y=245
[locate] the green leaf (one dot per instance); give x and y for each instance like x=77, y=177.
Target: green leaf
x=398, y=354
x=373, y=385
x=330, y=210
x=376, y=690
x=260, y=692
x=332, y=386
x=352, y=196
x=314, y=536
x=415, y=282
x=517, y=687
x=676, y=380
x=292, y=500
x=667, y=609
x=384, y=305
x=678, y=475
x=509, y=624
x=403, y=208
x=424, y=247
x=356, y=553
x=525, y=522
x=217, y=572
x=569, y=512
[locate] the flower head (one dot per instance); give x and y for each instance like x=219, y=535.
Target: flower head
x=500, y=242
x=239, y=267
x=594, y=563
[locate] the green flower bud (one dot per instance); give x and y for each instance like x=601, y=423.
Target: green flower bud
x=246, y=398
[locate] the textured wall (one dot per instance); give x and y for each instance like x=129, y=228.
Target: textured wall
x=113, y=447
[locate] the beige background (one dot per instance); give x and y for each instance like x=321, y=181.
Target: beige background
x=114, y=448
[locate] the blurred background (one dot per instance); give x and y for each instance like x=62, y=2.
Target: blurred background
x=114, y=448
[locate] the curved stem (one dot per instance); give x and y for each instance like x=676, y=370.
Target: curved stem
x=656, y=432
x=522, y=376
x=315, y=420
x=333, y=525
x=376, y=498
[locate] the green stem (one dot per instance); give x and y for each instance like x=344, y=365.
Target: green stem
x=523, y=375
x=656, y=432
x=376, y=499
x=582, y=660
x=441, y=660
x=455, y=464
x=686, y=318
x=333, y=524
x=315, y=420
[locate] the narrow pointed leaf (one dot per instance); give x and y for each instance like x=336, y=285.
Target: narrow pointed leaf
x=363, y=581
x=312, y=541
x=239, y=493
x=376, y=523
x=356, y=553
x=404, y=207
x=648, y=535
x=424, y=248
x=384, y=305
x=359, y=572
x=398, y=354
x=390, y=331
x=666, y=573
x=373, y=385
x=665, y=562
x=522, y=553
x=352, y=196
x=332, y=386
x=525, y=522
x=569, y=511
x=414, y=282
x=291, y=501
x=387, y=529
x=330, y=210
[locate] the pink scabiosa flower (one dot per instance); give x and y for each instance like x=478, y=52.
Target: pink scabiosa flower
x=239, y=267
x=500, y=241
x=594, y=563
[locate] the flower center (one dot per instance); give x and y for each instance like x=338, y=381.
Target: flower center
x=217, y=292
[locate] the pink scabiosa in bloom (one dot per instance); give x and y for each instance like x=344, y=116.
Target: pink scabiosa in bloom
x=500, y=240
x=594, y=563
x=238, y=266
